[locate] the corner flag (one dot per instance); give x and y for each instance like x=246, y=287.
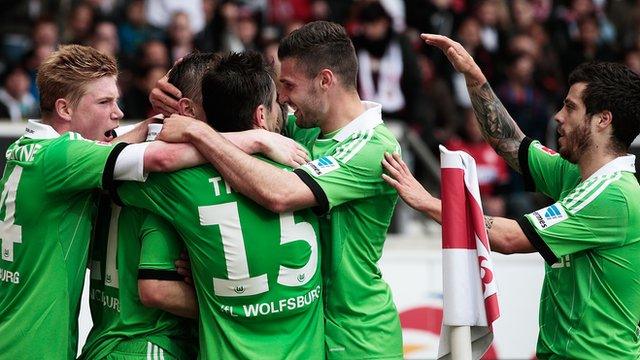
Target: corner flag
x=469, y=287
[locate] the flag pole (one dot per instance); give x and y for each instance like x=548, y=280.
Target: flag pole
x=460, y=342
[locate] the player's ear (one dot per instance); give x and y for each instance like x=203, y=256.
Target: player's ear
x=604, y=119
x=187, y=107
x=260, y=117
x=63, y=109
x=326, y=78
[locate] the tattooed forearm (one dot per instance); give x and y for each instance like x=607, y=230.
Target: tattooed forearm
x=497, y=126
x=488, y=222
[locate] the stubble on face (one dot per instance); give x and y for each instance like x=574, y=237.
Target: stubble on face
x=577, y=141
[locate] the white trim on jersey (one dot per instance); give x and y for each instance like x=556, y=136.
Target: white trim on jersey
x=369, y=119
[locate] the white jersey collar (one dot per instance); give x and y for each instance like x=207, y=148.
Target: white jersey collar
x=37, y=130
x=370, y=118
x=621, y=163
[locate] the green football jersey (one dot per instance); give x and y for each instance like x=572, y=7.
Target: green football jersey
x=131, y=244
x=46, y=211
x=346, y=179
x=590, y=239
x=256, y=273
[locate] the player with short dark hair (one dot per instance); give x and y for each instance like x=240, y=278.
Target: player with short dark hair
x=347, y=140
x=590, y=236
x=137, y=299
x=257, y=273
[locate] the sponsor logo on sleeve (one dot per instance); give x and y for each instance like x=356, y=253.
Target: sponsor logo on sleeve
x=549, y=216
x=546, y=149
x=322, y=166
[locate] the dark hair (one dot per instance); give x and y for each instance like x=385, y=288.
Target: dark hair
x=613, y=87
x=233, y=90
x=187, y=74
x=322, y=45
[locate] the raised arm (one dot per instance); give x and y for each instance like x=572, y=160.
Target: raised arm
x=498, y=128
x=505, y=235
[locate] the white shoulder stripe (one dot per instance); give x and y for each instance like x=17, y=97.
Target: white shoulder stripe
x=578, y=191
x=597, y=192
x=357, y=146
x=582, y=191
x=342, y=149
x=360, y=145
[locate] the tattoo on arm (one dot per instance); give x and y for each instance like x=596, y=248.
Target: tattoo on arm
x=498, y=128
x=488, y=222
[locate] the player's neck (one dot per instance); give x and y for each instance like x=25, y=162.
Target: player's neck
x=59, y=125
x=344, y=107
x=593, y=159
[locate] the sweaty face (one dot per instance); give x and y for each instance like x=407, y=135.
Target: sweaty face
x=574, y=126
x=300, y=92
x=97, y=110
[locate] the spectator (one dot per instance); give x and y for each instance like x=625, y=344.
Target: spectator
x=588, y=45
x=528, y=107
x=388, y=71
x=160, y=13
x=493, y=17
x=181, y=37
x=15, y=97
x=153, y=53
x=208, y=39
x=105, y=38
x=32, y=61
x=45, y=33
x=134, y=30
x=242, y=31
x=469, y=37
x=79, y=24
x=135, y=103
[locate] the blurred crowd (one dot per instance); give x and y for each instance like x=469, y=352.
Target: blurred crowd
x=527, y=48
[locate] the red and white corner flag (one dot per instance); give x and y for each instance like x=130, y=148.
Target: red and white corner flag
x=470, y=296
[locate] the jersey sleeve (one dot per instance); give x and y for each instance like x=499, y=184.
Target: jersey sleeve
x=544, y=170
x=155, y=195
x=592, y=216
x=77, y=164
x=305, y=137
x=352, y=171
x=160, y=248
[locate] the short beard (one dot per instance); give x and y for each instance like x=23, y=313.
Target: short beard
x=579, y=143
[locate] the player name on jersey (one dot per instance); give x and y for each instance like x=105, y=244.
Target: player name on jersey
x=109, y=302
x=24, y=153
x=9, y=276
x=215, y=181
x=273, y=307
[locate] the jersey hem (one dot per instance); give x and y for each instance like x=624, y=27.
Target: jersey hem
x=523, y=159
x=536, y=240
x=316, y=189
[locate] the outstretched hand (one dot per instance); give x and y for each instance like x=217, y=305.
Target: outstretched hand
x=458, y=57
x=283, y=149
x=409, y=189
